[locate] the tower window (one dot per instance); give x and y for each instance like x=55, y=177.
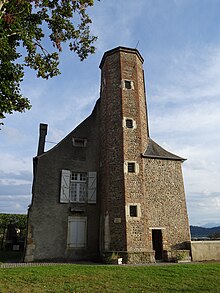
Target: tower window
x=131, y=167
x=129, y=123
x=128, y=84
x=133, y=210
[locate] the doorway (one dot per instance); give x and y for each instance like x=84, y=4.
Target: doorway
x=157, y=240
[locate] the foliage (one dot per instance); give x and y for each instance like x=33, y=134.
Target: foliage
x=104, y=278
x=111, y=257
x=27, y=25
x=20, y=222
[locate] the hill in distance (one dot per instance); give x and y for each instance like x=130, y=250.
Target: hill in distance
x=199, y=232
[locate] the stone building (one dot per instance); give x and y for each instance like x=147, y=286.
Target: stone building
x=107, y=187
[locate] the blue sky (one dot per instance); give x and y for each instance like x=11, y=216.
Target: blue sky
x=180, y=43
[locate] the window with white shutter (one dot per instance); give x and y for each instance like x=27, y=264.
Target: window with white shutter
x=78, y=187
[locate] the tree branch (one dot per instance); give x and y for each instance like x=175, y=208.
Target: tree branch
x=2, y=2
x=40, y=46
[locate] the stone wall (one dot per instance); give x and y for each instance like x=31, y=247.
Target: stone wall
x=134, y=257
x=48, y=218
x=165, y=202
x=205, y=250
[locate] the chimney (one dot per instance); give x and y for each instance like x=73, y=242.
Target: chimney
x=42, y=136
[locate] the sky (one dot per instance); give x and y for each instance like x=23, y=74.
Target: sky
x=180, y=43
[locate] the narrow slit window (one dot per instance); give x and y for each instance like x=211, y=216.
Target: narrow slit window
x=131, y=167
x=133, y=211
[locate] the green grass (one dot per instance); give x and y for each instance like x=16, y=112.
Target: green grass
x=101, y=278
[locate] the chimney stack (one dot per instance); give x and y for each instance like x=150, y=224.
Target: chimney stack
x=42, y=136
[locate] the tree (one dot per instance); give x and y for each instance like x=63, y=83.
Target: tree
x=20, y=222
x=25, y=28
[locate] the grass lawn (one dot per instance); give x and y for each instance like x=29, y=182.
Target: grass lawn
x=102, y=278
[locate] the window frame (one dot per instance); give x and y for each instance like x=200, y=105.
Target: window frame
x=129, y=217
x=126, y=167
x=133, y=211
x=125, y=125
x=126, y=82
x=129, y=123
x=78, y=183
x=131, y=167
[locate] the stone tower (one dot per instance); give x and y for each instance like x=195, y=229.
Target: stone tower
x=127, y=190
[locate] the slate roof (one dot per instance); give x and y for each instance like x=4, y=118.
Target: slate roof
x=154, y=151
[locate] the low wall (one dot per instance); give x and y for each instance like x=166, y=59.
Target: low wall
x=205, y=250
x=111, y=257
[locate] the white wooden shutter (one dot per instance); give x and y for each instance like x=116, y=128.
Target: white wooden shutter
x=92, y=187
x=77, y=232
x=65, y=186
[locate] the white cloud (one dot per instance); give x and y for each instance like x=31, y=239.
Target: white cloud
x=12, y=204
x=13, y=164
x=190, y=76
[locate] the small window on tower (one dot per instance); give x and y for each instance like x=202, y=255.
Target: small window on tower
x=128, y=84
x=129, y=123
x=131, y=167
x=133, y=211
